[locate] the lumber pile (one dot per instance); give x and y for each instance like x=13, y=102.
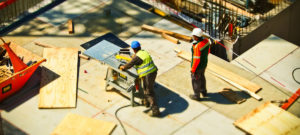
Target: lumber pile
x=166, y=32
x=269, y=119
x=230, y=77
x=74, y=124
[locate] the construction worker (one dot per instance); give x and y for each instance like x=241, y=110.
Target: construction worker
x=200, y=51
x=147, y=72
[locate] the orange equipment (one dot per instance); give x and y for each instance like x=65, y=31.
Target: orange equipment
x=22, y=72
x=291, y=100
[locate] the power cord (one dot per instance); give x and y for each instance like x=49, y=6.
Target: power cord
x=116, y=114
x=293, y=74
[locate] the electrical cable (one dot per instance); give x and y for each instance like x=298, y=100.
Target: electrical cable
x=293, y=75
x=116, y=114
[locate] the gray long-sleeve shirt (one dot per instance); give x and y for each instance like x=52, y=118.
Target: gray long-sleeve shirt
x=134, y=61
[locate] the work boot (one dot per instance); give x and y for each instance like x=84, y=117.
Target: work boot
x=155, y=112
x=195, y=97
x=204, y=93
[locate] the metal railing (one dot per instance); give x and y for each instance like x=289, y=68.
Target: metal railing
x=222, y=19
x=13, y=10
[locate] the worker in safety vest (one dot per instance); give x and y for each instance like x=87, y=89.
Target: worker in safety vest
x=147, y=71
x=200, y=51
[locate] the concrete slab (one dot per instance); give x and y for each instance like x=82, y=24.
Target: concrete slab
x=67, y=10
x=265, y=53
x=33, y=120
x=91, y=85
x=281, y=73
x=161, y=50
x=210, y=123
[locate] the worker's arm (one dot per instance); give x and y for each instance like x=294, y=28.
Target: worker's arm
x=135, y=61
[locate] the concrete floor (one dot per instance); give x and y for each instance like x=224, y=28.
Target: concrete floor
x=180, y=115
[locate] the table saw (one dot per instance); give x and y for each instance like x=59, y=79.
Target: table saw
x=123, y=81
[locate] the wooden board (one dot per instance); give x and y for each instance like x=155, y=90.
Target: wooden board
x=74, y=124
x=70, y=26
x=173, y=34
x=269, y=119
x=59, y=78
x=225, y=73
x=232, y=96
x=170, y=38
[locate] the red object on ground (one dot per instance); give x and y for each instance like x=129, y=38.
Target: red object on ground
x=291, y=100
x=21, y=75
x=6, y=3
x=85, y=71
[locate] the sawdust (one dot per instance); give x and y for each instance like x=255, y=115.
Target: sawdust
x=4, y=73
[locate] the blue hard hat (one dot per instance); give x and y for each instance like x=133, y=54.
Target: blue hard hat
x=135, y=44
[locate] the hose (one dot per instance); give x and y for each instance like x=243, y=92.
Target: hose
x=116, y=114
x=294, y=75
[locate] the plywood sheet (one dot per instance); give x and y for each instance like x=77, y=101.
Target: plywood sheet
x=59, y=78
x=269, y=119
x=74, y=124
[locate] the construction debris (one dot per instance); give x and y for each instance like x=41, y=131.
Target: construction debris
x=70, y=26
x=173, y=34
x=269, y=119
x=232, y=95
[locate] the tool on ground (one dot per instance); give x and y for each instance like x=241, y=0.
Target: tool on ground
x=291, y=100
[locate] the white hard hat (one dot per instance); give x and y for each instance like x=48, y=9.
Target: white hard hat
x=197, y=32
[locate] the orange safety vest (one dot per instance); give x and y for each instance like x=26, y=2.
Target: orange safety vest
x=197, y=48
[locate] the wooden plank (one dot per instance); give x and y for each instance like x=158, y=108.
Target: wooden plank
x=269, y=119
x=44, y=45
x=160, y=31
x=170, y=38
x=59, y=78
x=232, y=96
x=225, y=73
x=74, y=124
x=51, y=46
x=70, y=26
x=212, y=69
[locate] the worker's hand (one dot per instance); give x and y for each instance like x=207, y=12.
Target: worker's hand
x=194, y=76
x=122, y=68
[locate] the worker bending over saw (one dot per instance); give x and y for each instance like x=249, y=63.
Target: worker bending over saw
x=200, y=51
x=147, y=72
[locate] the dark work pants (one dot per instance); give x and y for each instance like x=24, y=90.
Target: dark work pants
x=199, y=82
x=148, y=82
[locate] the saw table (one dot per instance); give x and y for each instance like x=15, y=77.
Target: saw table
x=123, y=81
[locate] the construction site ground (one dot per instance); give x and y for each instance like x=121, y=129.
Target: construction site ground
x=179, y=114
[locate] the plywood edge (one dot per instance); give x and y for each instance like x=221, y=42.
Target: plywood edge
x=252, y=113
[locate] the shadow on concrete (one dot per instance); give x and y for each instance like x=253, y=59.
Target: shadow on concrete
x=169, y=100
x=9, y=129
x=30, y=89
x=108, y=37
x=50, y=76
x=220, y=99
